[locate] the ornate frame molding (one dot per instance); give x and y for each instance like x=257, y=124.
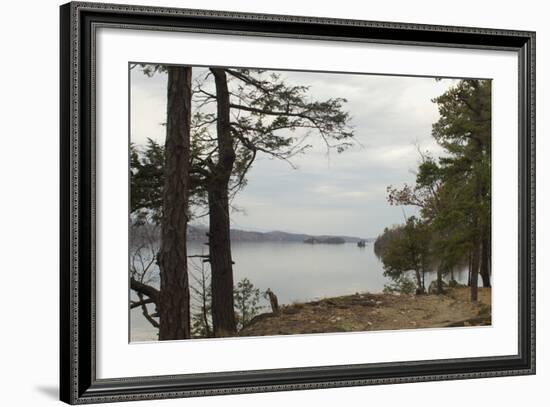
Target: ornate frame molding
x=77, y=251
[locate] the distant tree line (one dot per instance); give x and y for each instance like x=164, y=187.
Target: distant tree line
x=453, y=195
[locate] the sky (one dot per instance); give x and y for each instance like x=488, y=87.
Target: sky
x=334, y=194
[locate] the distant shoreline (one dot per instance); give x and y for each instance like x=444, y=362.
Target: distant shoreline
x=198, y=234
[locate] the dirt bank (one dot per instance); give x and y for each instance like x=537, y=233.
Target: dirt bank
x=375, y=312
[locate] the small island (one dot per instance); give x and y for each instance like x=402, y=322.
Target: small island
x=328, y=240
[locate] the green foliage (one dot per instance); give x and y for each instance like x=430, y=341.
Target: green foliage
x=464, y=130
x=453, y=193
x=200, y=325
x=382, y=241
x=465, y=117
x=246, y=296
x=146, y=182
x=407, y=249
x=402, y=285
x=247, y=302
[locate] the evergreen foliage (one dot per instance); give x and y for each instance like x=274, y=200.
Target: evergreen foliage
x=453, y=194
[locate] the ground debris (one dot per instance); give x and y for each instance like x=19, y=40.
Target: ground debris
x=372, y=312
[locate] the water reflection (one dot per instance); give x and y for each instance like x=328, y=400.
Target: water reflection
x=298, y=272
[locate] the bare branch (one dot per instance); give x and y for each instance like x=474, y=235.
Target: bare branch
x=145, y=312
x=135, y=304
x=145, y=289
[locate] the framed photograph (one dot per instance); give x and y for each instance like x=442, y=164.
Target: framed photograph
x=255, y=203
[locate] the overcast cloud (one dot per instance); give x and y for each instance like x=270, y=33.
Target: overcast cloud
x=340, y=194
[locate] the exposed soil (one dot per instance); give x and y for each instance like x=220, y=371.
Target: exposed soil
x=375, y=312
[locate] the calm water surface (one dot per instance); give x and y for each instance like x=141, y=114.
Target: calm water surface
x=297, y=272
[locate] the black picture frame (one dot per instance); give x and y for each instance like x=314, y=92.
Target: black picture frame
x=78, y=382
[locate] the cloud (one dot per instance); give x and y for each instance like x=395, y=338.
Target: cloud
x=147, y=106
x=328, y=193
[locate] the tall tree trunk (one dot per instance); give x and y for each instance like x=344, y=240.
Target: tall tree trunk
x=477, y=226
x=469, y=268
x=223, y=314
x=476, y=251
x=475, y=270
x=205, y=306
x=174, y=281
x=485, y=259
x=419, y=284
x=439, y=279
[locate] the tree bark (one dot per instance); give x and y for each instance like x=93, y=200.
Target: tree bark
x=274, y=302
x=475, y=270
x=419, y=285
x=148, y=290
x=174, y=310
x=439, y=280
x=223, y=314
x=469, y=268
x=485, y=260
x=477, y=227
x=476, y=248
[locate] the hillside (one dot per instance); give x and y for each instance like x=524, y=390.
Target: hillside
x=198, y=234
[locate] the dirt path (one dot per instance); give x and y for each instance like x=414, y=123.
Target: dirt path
x=374, y=312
